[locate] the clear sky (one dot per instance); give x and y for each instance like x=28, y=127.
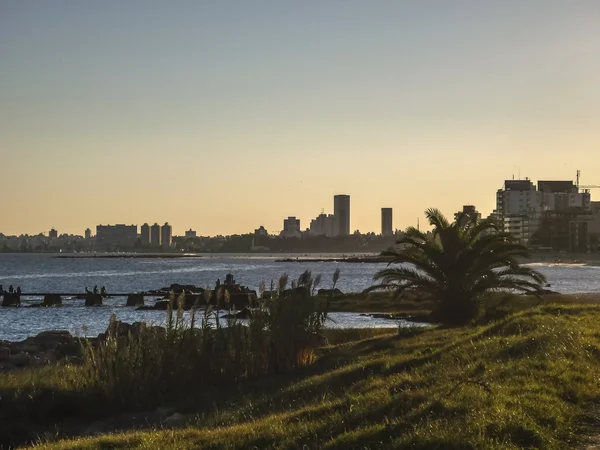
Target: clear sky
x=225, y=115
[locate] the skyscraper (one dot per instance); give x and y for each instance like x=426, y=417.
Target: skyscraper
x=53, y=234
x=145, y=232
x=155, y=235
x=165, y=235
x=341, y=211
x=88, y=233
x=386, y=222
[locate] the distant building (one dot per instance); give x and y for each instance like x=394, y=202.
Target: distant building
x=88, y=233
x=190, y=234
x=145, y=235
x=155, y=235
x=386, y=222
x=324, y=225
x=119, y=235
x=554, y=187
x=518, y=208
x=261, y=231
x=468, y=210
x=341, y=211
x=291, y=227
x=166, y=233
x=53, y=234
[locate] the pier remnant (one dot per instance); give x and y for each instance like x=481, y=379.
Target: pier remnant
x=11, y=299
x=52, y=300
x=93, y=300
x=135, y=300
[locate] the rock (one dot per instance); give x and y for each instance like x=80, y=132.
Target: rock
x=93, y=300
x=145, y=308
x=173, y=420
x=11, y=299
x=52, y=300
x=4, y=354
x=5, y=367
x=162, y=305
x=135, y=300
x=332, y=292
x=243, y=314
x=29, y=348
x=19, y=360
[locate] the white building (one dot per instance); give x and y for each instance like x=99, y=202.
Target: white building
x=291, y=227
x=520, y=206
x=324, y=225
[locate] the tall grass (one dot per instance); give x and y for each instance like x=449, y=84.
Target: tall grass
x=147, y=366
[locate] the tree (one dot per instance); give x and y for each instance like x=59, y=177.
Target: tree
x=456, y=264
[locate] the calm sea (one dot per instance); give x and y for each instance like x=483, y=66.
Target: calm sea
x=45, y=273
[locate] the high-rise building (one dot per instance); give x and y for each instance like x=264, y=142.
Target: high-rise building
x=468, y=210
x=261, y=231
x=341, y=211
x=165, y=235
x=324, y=225
x=155, y=235
x=119, y=235
x=145, y=232
x=291, y=227
x=386, y=222
x=190, y=234
x=53, y=234
x=88, y=233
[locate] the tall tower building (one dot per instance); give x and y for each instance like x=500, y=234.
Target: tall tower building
x=165, y=235
x=145, y=232
x=88, y=233
x=341, y=211
x=386, y=222
x=155, y=235
x=53, y=234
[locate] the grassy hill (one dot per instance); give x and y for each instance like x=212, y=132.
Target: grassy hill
x=528, y=380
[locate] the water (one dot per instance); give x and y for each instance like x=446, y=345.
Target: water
x=43, y=273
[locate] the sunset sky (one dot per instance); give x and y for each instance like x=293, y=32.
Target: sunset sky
x=226, y=115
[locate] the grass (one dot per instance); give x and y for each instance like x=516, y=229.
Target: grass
x=498, y=305
x=526, y=380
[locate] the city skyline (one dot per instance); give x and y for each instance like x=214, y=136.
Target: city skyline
x=226, y=118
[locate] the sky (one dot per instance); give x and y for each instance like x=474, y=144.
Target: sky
x=222, y=116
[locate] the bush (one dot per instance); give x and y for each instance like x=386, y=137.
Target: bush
x=146, y=367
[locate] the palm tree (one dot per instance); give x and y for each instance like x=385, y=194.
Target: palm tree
x=456, y=264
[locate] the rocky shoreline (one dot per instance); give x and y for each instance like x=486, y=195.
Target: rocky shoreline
x=60, y=346
x=48, y=347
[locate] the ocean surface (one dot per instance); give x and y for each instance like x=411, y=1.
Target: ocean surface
x=47, y=273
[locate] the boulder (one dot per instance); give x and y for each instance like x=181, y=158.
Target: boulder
x=301, y=290
x=161, y=305
x=332, y=292
x=243, y=314
x=19, y=360
x=123, y=329
x=145, y=308
x=93, y=300
x=52, y=300
x=237, y=300
x=4, y=354
x=135, y=300
x=9, y=299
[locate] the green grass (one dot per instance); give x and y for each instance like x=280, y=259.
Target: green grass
x=419, y=307
x=528, y=380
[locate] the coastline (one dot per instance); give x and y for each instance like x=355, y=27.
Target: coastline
x=553, y=258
